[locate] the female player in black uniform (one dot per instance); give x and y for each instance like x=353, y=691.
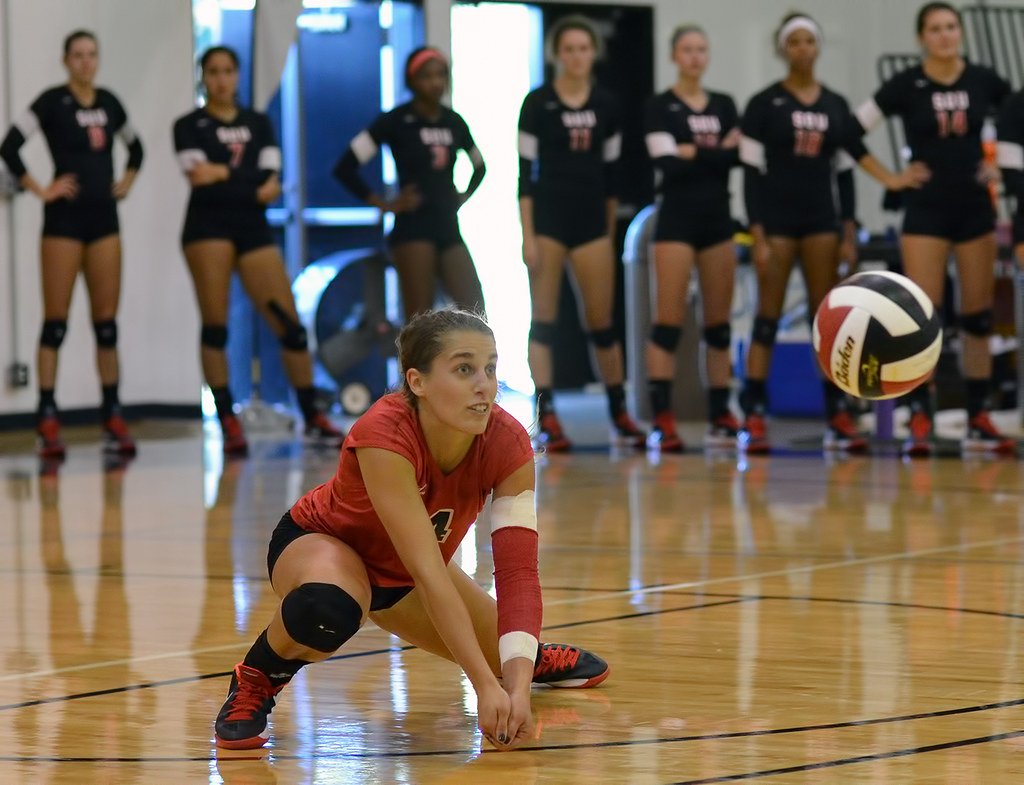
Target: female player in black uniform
x=693, y=136
x=943, y=103
x=424, y=136
x=232, y=161
x=80, y=226
x=799, y=144
x=1010, y=157
x=569, y=142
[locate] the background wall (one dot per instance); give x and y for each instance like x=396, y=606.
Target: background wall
x=146, y=53
x=145, y=58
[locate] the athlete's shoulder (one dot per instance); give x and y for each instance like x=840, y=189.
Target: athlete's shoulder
x=53, y=97
x=979, y=71
x=504, y=429
x=602, y=96
x=719, y=101
x=773, y=93
x=190, y=118
x=105, y=96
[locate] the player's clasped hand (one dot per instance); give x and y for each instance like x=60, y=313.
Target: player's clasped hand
x=63, y=187
x=914, y=176
x=408, y=199
x=269, y=191
x=206, y=173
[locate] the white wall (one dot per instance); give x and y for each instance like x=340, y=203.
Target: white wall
x=145, y=58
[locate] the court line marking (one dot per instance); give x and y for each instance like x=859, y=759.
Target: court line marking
x=665, y=587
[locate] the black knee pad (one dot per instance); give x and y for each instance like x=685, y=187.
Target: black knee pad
x=214, y=336
x=603, y=339
x=106, y=333
x=543, y=333
x=321, y=616
x=666, y=336
x=978, y=324
x=294, y=336
x=718, y=336
x=764, y=331
x=53, y=333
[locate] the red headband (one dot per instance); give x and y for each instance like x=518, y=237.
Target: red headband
x=421, y=58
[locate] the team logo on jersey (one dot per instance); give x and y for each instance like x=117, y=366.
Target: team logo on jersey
x=704, y=124
x=809, y=133
x=584, y=118
x=436, y=136
x=236, y=135
x=810, y=121
x=94, y=121
x=951, y=112
x=951, y=101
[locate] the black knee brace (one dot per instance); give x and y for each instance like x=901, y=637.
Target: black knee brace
x=106, y=333
x=321, y=616
x=53, y=333
x=603, y=339
x=718, y=336
x=978, y=324
x=543, y=333
x=666, y=336
x=294, y=336
x=214, y=336
x=764, y=331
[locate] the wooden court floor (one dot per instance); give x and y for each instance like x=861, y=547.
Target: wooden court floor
x=789, y=620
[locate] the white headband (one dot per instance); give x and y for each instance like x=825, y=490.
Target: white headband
x=798, y=23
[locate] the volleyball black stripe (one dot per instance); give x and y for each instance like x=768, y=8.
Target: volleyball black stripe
x=893, y=290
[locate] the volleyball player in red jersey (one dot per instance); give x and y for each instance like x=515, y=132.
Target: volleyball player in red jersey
x=232, y=161
x=377, y=540
x=81, y=232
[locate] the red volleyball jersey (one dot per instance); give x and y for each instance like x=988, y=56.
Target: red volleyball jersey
x=341, y=507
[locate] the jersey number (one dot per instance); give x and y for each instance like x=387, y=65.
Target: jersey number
x=952, y=123
x=706, y=140
x=579, y=139
x=237, y=151
x=439, y=156
x=442, y=520
x=808, y=143
x=97, y=137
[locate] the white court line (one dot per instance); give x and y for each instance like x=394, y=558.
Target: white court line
x=575, y=601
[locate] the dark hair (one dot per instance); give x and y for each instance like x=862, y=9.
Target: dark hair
x=785, y=21
x=572, y=22
x=218, y=50
x=684, y=30
x=416, y=53
x=422, y=339
x=75, y=36
x=928, y=8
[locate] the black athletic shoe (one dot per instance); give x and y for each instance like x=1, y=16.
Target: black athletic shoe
x=565, y=666
x=242, y=722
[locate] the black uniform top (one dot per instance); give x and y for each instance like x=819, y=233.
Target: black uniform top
x=80, y=139
x=670, y=122
x=1010, y=133
x=792, y=150
x=568, y=152
x=942, y=122
x=424, y=152
x=247, y=146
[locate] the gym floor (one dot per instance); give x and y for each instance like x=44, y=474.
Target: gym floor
x=787, y=619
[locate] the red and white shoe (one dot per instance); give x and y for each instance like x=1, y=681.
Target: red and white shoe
x=51, y=446
x=984, y=437
x=321, y=432
x=116, y=439
x=753, y=436
x=663, y=436
x=551, y=437
x=242, y=721
x=921, y=442
x=723, y=432
x=235, y=445
x=842, y=435
x=569, y=667
x=627, y=433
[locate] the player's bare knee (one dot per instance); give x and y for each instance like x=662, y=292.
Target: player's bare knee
x=320, y=616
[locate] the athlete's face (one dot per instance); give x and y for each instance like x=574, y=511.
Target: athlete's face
x=801, y=49
x=460, y=387
x=576, y=53
x=941, y=34
x=82, y=60
x=691, y=55
x=220, y=79
x=430, y=81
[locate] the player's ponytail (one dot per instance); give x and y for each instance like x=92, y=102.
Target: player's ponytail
x=422, y=339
